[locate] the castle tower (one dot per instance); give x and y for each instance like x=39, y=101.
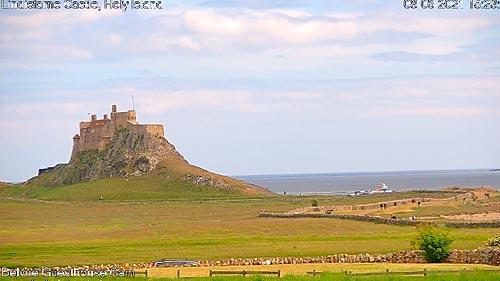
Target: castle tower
x=76, y=146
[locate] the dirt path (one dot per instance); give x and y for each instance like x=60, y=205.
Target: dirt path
x=410, y=205
x=474, y=217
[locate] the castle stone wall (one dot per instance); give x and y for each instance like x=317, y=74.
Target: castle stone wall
x=155, y=130
x=121, y=120
x=97, y=133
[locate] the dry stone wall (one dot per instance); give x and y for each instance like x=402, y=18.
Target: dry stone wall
x=493, y=224
x=486, y=255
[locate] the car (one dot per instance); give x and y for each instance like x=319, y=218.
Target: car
x=357, y=193
x=167, y=263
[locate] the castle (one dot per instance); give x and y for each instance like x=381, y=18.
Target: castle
x=97, y=133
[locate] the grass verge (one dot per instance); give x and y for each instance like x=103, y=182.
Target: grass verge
x=459, y=276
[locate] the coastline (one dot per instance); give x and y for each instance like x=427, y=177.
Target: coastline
x=342, y=183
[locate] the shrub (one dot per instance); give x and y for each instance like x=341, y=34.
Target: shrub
x=434, y=242
x=493, y=241
x=314, y=203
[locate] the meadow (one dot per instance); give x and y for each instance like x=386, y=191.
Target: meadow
x=77, y=233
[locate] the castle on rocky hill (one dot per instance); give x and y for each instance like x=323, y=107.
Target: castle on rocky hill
x=97, y=133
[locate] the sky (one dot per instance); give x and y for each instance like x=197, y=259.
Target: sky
x=259, y=87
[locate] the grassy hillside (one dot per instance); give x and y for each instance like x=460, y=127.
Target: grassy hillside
x=174, y=179
x=133, y=167
x=5, y=188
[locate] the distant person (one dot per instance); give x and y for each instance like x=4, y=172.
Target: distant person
x=381, y=206
x=419, y=203
x=487, y=196
x=101, y=198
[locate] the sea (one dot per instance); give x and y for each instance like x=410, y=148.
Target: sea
x=342, y=183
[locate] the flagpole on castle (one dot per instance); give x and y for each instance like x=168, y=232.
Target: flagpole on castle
x=133, y=104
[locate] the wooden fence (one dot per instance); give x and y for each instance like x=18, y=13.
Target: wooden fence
x=424, y=272
x=244, y=272
x=144, y=273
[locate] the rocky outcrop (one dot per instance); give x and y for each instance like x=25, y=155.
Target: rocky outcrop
x=207, y=180
x=50, y=169
x=136, y=153
x=128, y=154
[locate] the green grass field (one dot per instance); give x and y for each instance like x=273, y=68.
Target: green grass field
x=51, y=234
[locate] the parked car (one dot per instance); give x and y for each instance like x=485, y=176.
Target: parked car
x=166, y=263
x=357, y=193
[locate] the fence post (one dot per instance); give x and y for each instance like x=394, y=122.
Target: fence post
x=244, y=272
x=425, y=271
x=210, y=273
x=279, y=273
x=147, y=273
x=178, y=273
x=387, y=271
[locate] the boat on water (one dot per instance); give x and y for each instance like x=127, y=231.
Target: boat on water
x=383, y=188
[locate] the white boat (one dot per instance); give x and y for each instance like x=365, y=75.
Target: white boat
x=383, y=188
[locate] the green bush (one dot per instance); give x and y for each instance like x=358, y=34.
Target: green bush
x=493, y=242
x=434, y=242
x=314, y=203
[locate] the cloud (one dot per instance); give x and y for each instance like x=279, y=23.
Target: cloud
x=381, y=37
x=485, y=50
x=314, y=6
x=415, y=57
x=441, y=96
x=443, y=111
x=50, y=36
x=55, y=18
x=289, y=31
x=207, y=100
x=15, y=110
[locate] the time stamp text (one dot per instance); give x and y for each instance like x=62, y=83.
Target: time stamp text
x=452, y=4
x=125, y=5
